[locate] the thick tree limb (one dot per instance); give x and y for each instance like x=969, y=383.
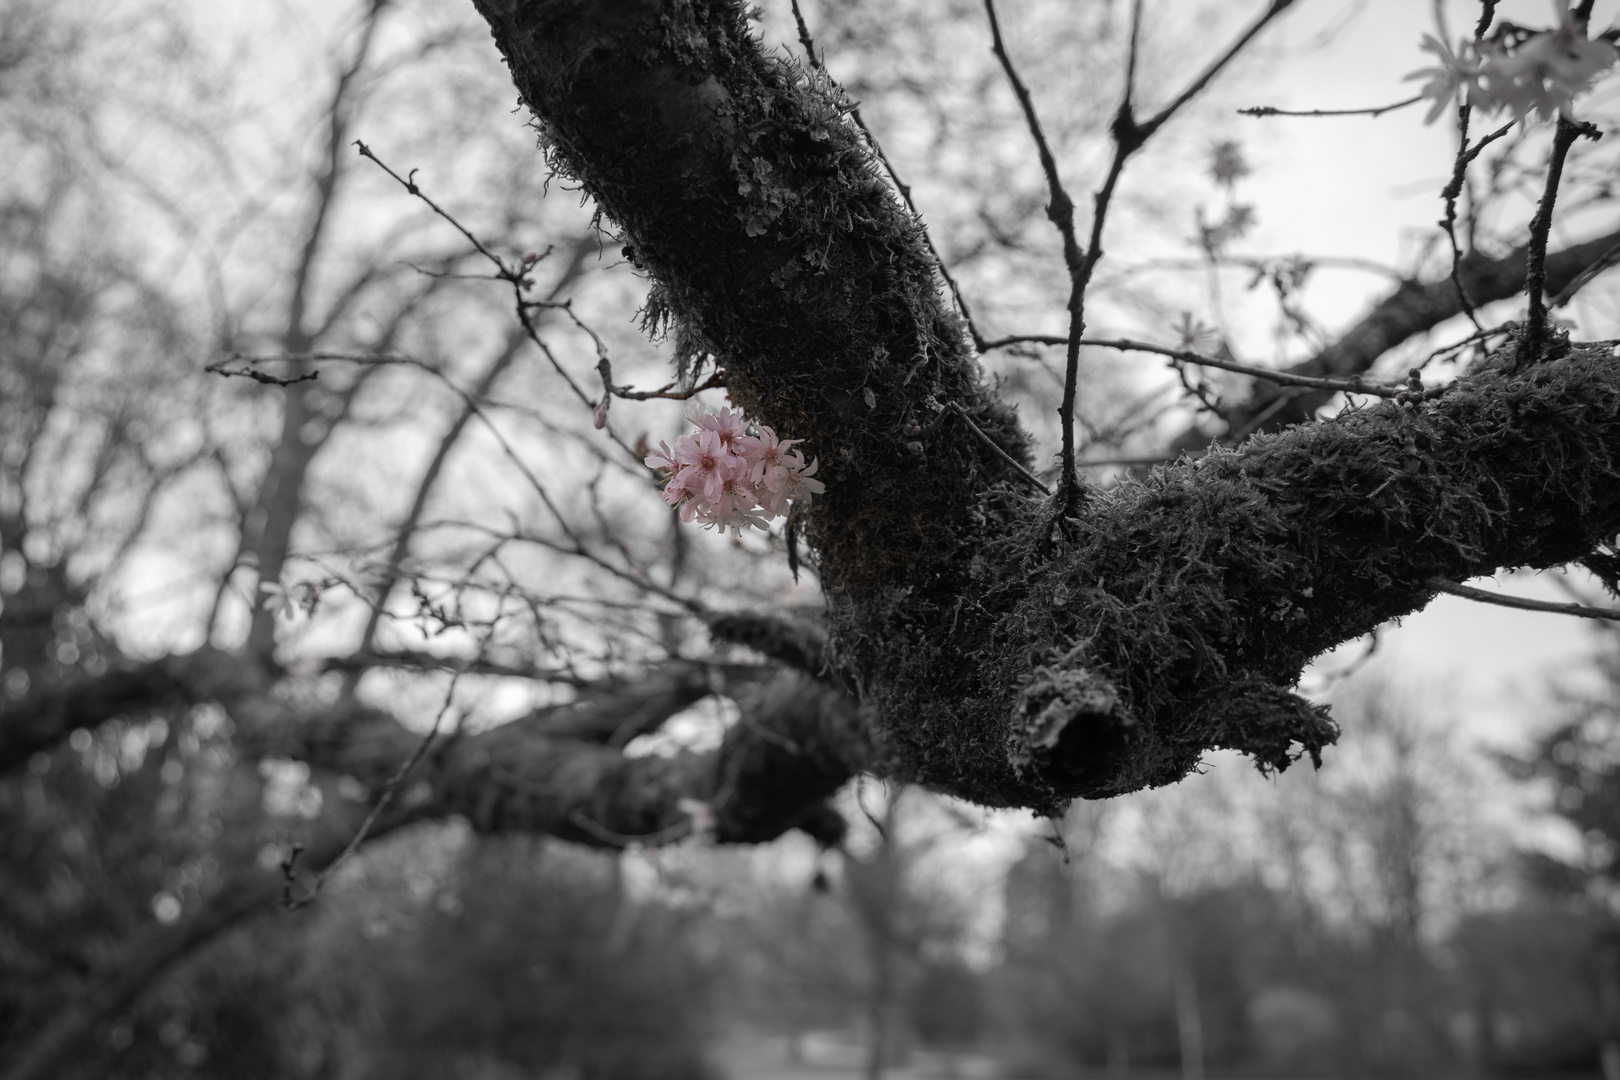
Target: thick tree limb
x=997, y=660
x=561, y=772
x=797, y=742
x=42, y=719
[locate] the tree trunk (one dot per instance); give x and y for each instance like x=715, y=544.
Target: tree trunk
x=1189, y=1023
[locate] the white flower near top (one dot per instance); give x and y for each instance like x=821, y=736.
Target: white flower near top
x=1518, y=71
x=289, y=602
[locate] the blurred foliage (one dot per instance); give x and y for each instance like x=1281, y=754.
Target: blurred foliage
x=111, y=835
x=440, y=955
x=532, y=956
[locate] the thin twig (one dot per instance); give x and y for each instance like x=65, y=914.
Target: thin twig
x=218, y=368
x=1541, y=225
x=1584, y=278
x=377, y=808
x=415, y=660
x=1281, y=378
x=409, y=184
x=667, y=392
x=1476, y=337
x=900, y=185
x=1136, y=462
x=519, y=280
x=1379, y=110
x=1257, y=264
x=1584, y=611
x=605, y=835
x=1277, y=7
x=992, y=444
x=1453, y=190
x=468, y=401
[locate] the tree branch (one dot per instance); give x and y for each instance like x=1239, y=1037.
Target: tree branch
x=1584, y=611
x=996, y=661
x=797, y=742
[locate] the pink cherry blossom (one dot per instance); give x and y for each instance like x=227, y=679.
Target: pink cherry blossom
x=768, y=458
x=798, y=486
x=730, y=474
x=727, y=424
x=664, y=458
x=706, y=463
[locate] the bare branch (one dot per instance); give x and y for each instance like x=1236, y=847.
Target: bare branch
x=1380, y=110
x=1541, y=225
x=1060, y=209
x=1129, y=136
x=1412, y=309
x=1453, y=190
x=1275, y=8
x=219, y=367
x=505, y=272
x=991, y=443
x=900, y=185
x=1584, y=611
x=999, y=658
x=290, y=899
x=1603, y=262
x=1280, y=378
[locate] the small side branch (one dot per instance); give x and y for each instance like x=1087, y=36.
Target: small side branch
x=1584, y=278
x=667, y=392
x=409, y=184
x=1060, y=210
x=1130, y=135
x=1185, y=356
x=1378, y=110
x=518, y=278
x=219, y=367
x=289, y=898
x=809, y=45
x=992, y=444
x=1452, y=191
x=1584, y=611
x=1541, y=225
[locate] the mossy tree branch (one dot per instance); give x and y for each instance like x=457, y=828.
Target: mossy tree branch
x=996, y=658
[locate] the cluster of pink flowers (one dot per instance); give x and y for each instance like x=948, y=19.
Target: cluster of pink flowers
x=1519, y=70
x=732, y=475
